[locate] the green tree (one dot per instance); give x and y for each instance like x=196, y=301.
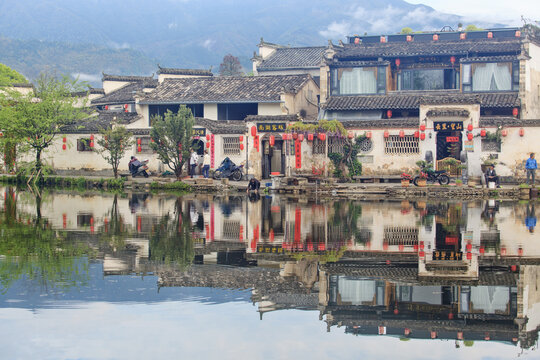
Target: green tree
x=113, y=145
x=171, y=134
x=230, y=66
x=9, y=76
x=36, y=118
x=472, y=27
x=406, y=30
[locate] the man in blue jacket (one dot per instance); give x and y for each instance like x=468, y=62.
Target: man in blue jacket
x=530, y=167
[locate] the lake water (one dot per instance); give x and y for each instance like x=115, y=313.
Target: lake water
x=138, y=276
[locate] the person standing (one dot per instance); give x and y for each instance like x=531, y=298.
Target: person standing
x=530, y=168
x=206, y=164
x=193, y=160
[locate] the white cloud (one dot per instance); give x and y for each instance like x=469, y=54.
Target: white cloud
x=118, y=46
x=87, y=77
x=336, y=30
x=172, y=26
x=208, y=43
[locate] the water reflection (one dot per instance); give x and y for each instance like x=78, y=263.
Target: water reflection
x=462, y=271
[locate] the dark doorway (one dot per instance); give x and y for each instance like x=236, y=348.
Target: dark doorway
x=273, y=159
x=449, y=144
x=198, y=145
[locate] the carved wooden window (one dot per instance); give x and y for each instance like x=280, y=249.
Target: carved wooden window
x=318, y=146
x=400, y=235
x=231, y=230
x=231, y=145
x=396, y=145
x=335, y=145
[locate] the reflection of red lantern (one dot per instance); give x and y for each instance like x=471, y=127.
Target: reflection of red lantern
x=453, y=59
x=398, y=62
x=422, y=127
x=515, y=112
x=416, y=134
x=401, y=133
x=64, y=147
x=139, y=141
x=368, y=134
x=389, y=113
x=483, y=133
x=139, y=148
x=350, y=135
x=435, y=37
x=64, y=139
x=310, y=137
x=490, y=35
x=469, y=256
x=504, y=132
x=207, y=137
x=300, y=137
x=241, y=146
x=482, y=250
x=92, y=137
x=91, y=144
x=253, y=130
x=521, y=132
x=208, y=145
x=241, y=138
x=470, y=127
x=470, y=136
x=386, y=134
x=272, y=140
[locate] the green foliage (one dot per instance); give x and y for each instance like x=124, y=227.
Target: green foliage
x=9, y=76
x=33, y=120
x=406, y=30
x=336, y=158
x=322, y=126
x=113, y=145
x=174, y=186
x=472, y=27
x=172, y=135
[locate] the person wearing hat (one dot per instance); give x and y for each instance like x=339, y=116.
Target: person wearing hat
x=491, y=175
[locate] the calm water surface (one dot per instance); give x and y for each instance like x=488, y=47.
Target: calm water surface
x=138, y=276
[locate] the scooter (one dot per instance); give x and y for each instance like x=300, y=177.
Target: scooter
x=141, y=169
x=228, y=169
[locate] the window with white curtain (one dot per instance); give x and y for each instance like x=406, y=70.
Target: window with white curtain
x=492, y=77
x=358, y=81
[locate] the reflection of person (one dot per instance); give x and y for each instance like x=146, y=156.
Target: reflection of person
x=206, y=164
x=254, y=196
x=193, y=161
x=491, y=176
x=530, y=220
x=253, y=185
x=530, y=168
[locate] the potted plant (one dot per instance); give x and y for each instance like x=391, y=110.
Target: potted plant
x=406, y=179
x=459, y=182
x=422, y=179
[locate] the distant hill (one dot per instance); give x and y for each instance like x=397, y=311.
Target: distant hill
x=187, y=33
x=9, y=76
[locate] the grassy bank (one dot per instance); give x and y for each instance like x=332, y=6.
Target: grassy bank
x=67, y=182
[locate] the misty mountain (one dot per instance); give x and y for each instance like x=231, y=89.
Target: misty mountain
x=198, y=33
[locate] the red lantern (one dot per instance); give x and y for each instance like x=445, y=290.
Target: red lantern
x=386, y=134
x=208, y=145
x=482, y=250
x=401, y=247
x=322, y=137
x=357, y=41
x=139, y=148
x=469, y=136
x=64, y=139
x=389, y=113
x=422, y=127
x=310, y=137
x=272, y=140
x=490, y=35
x=452, y=60
x=515, y=112
x=423, y=136
x=368, y=134
x=409, y=38
x=385, y=246
x=350, y=135
x=470, y=127
x=483, y=133
x=207, y=137
x=64, y=147
x=106, y=107
x=462, y=36
x=398, y=62
x=469, y=256
x=521, y=132
x=91, y=144
x=241, y=138
x=503, y=250
x=300, y=137
x=435, y=37
x=513, y=268
x=92, y=137
x=518, y=33
x=241, y=146
x=253, y=130
x=504, y=132
x=433, y=333
x=139, y=141
x=383, y=39
x=401, y=133
x=416, y=134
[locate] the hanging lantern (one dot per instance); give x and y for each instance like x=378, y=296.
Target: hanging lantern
x=470, y=127
x=515, y=112
x=64, y=147
x=409, y=38
x=521, y=132
x=91, y=144
x=385, y=246
x=483, y=133
x=207, y=137
x=462, y=36
x=322, y=136
x=435, y=37
x=482, y=250
x=383, y=39
x=241, y=138
x=241, y=147
x=503, y=250
x=92, y=137
x=416, y=134
x=300, y=137
x=350, y=135
x=139, y=148
x=469, y=136
x=389, y=113
x=398, y=62
x=452, y=60
x=513, y=268
x=504, y=132
x=401, y=133
x=253, y=130
x=518, y=33
x=64, y=139
x=490, y=35
x=208, y=145
x=520, y=251
x=310, y=137
x=460, y=335
x=433, y=334
x=422, y=127
x=469, y=256
x=386, y=134
x=368, y=134
x=423, y=136
x=272, y=140
x=139, y=141
x=357, y=41
x=106, y=107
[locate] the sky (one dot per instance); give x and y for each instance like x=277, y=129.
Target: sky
x=500, y=11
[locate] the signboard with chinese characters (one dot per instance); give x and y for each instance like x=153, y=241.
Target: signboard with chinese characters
x=269, y=249
x=452, y=139
x=271, y=127
x=468, y=146
x=199, y=132
x=448, y=125
x=447, y=255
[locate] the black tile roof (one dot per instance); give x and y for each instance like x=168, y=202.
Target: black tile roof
x=225, y=89
x=496, y=121
x=128, y=78
x=287, y=118
x=100, y=120
x=195, y=72
x=431, y=48
x=97, y=91
x=221, y=127
x=503, y=58
x=293, y=58
x=407, y=101
x=125, y=94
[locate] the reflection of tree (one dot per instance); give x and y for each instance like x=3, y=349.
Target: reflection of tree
x=114, y=229
x=343, y=222
x=171, y=242
x=34, y=251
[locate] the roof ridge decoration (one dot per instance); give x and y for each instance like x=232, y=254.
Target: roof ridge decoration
x=129, y=78
x=179, y=71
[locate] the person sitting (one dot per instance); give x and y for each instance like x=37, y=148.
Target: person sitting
x=253, y=185
x=133, y=165
x=491, y=176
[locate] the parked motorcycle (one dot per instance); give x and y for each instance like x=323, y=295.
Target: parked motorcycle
x=140, y=168
x=228, y=169
x=432, y=176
